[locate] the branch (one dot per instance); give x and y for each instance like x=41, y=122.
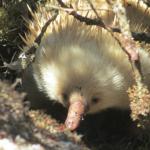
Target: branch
x=26, y=57
x=87, y=20
x=139, y=94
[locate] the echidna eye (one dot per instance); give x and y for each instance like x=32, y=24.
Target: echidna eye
x=95, y=100
x=65, y=96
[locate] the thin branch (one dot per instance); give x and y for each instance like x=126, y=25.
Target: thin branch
x=25, y=58
x=38, y=39
x=125, y=38
x=87, y=20
x=139, y=94
x=98, y=21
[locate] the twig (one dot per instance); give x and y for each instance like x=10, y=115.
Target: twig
x=26, y=57
x=98, y=21
x=139, y=94
x=87, y=20
x=38, y=39
x=125, y=39
x=69, y=9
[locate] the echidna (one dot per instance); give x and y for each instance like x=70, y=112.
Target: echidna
x=83, y=67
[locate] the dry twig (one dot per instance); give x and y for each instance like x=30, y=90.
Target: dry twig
x=138, y=94
x=27, y=57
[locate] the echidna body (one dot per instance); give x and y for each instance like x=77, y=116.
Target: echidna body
x=76, y=62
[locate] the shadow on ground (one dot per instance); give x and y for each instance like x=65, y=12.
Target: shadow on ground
x=108, y=130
